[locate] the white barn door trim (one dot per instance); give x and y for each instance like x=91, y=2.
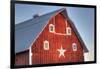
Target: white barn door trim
x=30, y=56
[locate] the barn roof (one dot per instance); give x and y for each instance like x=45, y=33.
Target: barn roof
x=28, y=31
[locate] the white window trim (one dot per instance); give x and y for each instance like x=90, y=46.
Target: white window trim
x=53, y=28
x=45, y=46
x=68, y=28
x=74, y=47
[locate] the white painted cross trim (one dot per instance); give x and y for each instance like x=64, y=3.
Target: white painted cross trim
x=60, y=34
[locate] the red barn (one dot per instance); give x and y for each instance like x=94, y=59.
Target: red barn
x=47, y=39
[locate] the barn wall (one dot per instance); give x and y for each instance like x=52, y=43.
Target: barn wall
x=41, y=56
x=22, y=58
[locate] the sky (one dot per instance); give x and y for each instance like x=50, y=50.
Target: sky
x=83, y=19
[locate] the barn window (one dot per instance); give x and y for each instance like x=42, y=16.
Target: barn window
x=51, y=28
x=68, y=31
x=74, y=47
x=46, y=45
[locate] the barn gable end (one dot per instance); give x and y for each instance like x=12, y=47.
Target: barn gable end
x=57, y=40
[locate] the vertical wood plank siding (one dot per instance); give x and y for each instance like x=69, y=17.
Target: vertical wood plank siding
x=22, y=58
x=41, y=56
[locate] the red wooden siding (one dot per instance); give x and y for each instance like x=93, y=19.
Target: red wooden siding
x=41, y=56
x=22, y=58
x=60, y=24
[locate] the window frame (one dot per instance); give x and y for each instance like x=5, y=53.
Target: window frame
x=74, y=46
x=44, y=45
x=51, y=25
x=67, y=30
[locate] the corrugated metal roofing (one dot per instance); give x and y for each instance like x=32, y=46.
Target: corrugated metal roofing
x=27, y=31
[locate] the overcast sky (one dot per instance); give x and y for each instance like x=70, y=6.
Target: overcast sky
x=83, y=19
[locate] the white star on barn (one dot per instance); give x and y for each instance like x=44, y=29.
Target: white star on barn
x=61, y=51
